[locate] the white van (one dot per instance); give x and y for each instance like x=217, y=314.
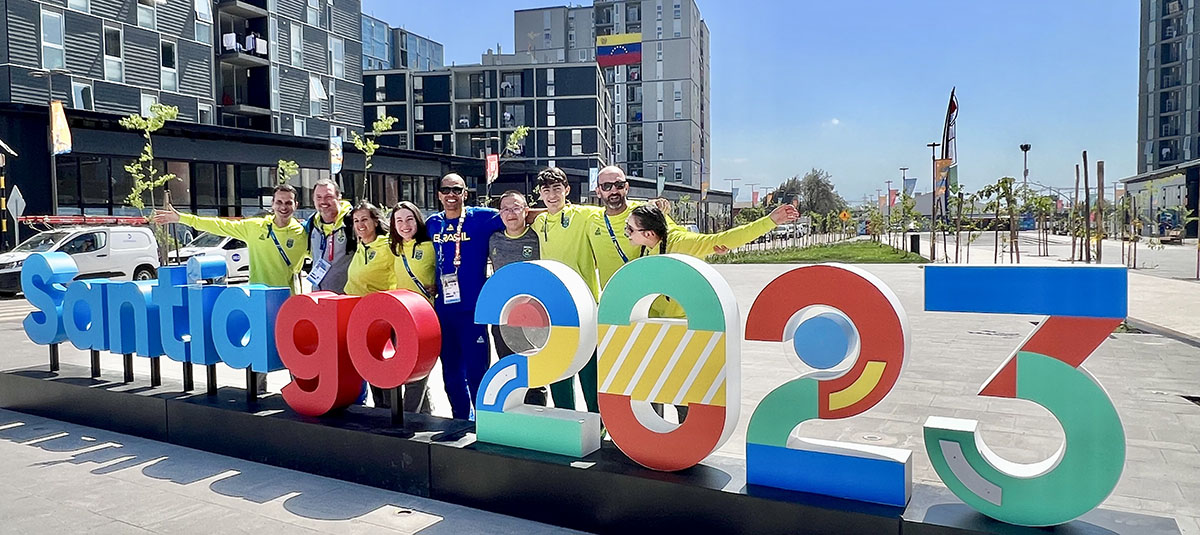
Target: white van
x=117, y=252
x=235, y=252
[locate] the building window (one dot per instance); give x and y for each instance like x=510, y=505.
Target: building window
x=678, y=173
x=148, y=101
x=678, y=29
x=316, y=93
x=380, y=88
x=145, y=14
x=576, y=150
x=337, y=131
x=81, y=93
x=297, y=45
x=576, y=136
x=380, y=112
x=203, y=9
x=550, y=137
x=337, y=57
x=52, y=40
x=169, y=75
x=313, y=14
x=79, y=5
x=204, y=113
x=549, y=107
x=114, y=64
x=299, y=127
x=274, y=87
x=550, y=151
x=273, y=39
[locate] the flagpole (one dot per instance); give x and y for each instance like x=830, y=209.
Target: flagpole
x=933, y=205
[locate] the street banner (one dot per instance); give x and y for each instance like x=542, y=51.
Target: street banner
x=733, y=192
x=593, y=178
x=892, y=194
x=910, y=184
x=493, y=167
x=662, y=183
x=941, y=193
x=753, y=198
x=59, y=131
x=335, y=154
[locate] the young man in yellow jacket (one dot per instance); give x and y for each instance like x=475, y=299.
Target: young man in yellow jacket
x=562, y=232
x=277, y=243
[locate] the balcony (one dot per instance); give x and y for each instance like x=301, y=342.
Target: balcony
x=1169, y=106
x=247, y=9
x=603, y=16
x=634, y=113
x=244, y=50
x=1170, y=80
x=1169, y=130
x=1172, y=7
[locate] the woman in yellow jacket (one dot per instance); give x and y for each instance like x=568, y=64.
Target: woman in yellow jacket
x=414, y=266
x=647, y=227
x=371, y=268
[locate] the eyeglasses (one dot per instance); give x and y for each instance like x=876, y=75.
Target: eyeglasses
x=618, y=184
x=451, y=189
x=514, y=209
x=630, y=230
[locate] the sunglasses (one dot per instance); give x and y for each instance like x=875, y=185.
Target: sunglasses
x=451, y=189
x=619, y=184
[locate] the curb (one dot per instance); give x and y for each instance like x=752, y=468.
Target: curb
x=1163, y=331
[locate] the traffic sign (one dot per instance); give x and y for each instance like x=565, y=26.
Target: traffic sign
x=16, y=203
x=844, y=216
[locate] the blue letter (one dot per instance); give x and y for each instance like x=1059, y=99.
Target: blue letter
x=170, y=298
x=133, y=319
x=85, y=312
x=243, y=326
x=43, y=279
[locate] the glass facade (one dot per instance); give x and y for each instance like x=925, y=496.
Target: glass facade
x=377, y=44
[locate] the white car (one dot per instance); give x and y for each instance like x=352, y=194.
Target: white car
x=117, y=252
x=237, y=261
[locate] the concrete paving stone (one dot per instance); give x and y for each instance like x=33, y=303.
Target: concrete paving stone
x=115, y=527
x=36, y=514
x=1160, y=445
x=1154, y=489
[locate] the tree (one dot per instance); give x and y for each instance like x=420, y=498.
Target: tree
x=285, y=170
x=146, y=177
x=368, y=146
x=749, y=214
x=814, y=190
x=512, y=147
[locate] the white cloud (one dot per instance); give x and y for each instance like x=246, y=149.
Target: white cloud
x=835, y=121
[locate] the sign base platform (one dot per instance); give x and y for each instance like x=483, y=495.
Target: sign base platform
x=435, y=457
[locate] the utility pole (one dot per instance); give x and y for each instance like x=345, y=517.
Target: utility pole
x=1025, y=153
x=751, y=186
x=933, y=203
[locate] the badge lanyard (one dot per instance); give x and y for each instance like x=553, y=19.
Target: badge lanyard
x=458, y=236
x=271, y=233
x=613, y=235
x=414, y=278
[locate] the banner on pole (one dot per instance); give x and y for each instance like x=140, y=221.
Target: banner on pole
x=335, y=154
x=493, y=167
x=59, y=131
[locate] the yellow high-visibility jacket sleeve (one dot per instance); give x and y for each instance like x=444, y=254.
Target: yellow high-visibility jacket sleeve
x=701, y=245
x=225, y=227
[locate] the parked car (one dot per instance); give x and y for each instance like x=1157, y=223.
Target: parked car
x=117, y=252
x=237, y=260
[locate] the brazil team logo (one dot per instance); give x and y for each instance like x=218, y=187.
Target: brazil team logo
x=418, y=254
x=527, y=251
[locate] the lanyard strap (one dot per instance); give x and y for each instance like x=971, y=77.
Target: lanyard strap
x=271, y=233
x=414, y=278
x=458, y=237
x=613, y=235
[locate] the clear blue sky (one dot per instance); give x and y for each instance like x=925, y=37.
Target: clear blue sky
x=859, y=88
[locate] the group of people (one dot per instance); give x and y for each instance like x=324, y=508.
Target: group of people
x=357, y=250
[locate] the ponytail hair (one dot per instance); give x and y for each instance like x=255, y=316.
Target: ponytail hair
x=650, y=218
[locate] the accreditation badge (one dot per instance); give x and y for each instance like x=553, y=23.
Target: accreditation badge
x=450, y=292
x=319, y=269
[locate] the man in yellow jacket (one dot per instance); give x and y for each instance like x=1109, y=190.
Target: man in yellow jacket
x=562, y=232
x=277, y=243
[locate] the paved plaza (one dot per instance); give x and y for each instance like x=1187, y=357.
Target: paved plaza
x=951, y=355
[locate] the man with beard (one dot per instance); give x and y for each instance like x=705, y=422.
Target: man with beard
x=331, y=242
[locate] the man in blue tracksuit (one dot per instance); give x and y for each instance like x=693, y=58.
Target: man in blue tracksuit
x=460, y=237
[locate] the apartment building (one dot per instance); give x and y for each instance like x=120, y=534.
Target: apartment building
x=255, y=81
x=470, y=111
x=385, y=47
x=661, y=111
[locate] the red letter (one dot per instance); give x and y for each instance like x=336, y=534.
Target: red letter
x=388, y=362
x=310, y=335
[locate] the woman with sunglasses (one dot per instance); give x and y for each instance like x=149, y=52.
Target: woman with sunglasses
x=414, y=264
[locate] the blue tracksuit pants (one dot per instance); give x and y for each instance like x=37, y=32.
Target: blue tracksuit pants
x=465, y=356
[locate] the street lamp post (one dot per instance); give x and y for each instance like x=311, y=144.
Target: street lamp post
x=933, y=202
x=49, y=76
x=1025, y=154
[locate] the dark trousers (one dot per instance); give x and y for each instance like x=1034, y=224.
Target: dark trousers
x=465, y=358
x=416, y=397
x=533, y=396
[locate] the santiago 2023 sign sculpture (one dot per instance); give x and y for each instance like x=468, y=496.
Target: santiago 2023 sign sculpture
x=844, y=329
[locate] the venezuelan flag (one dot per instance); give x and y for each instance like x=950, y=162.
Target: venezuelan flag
x=618, y=49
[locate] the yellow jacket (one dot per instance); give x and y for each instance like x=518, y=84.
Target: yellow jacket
x=267, y=265
x=371, y=268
